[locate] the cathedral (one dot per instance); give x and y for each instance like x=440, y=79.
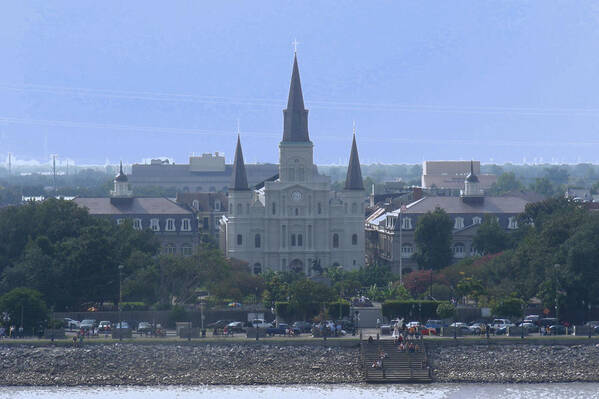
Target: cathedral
x=294, y=221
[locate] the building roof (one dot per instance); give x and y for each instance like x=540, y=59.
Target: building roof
x=295, y=125
x=205, y=200
x=137, y=206
x=240, y=178
x=457, y=205
x=121, y=177
x=353, y=180
x=455, y=182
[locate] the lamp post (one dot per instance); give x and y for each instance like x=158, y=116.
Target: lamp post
x=555, y=268
x=120, y=329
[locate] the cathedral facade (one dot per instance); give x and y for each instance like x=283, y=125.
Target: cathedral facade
x=295, y=221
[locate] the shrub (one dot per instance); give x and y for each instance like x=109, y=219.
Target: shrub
x=445, y=310
x=178, y=313
x=412, y=309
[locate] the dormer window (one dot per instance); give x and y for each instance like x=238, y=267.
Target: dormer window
x=196, y=205
x=512, y=223
x=120, y=221
x=154, y=225
x=186, y=225
x=477, y=220
x=459, y=223
x=217, y=205
x=170, y=225
x=406, y=223
x=137, y=224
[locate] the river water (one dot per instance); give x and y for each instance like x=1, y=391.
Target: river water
x=432, y=391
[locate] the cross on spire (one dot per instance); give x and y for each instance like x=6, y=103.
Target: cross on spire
x=295, y=43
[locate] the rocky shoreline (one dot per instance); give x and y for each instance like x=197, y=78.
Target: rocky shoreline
x=246, y=364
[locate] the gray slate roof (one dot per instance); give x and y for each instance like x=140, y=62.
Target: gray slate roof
x=353, y=180
x=456, y=205
x=240, y=178
x=295, y=125
x=137, y=206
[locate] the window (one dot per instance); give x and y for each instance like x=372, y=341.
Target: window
x=186, y=250
x=458, y=250
x=284, y=264
x=300, y=173
x=293, y=240
x=170, y=225
x=199, y=189
x=257, y=268
x=217, y=205
x=354, y=239
x=406, y=223
x=477, y=220
x=239, y=209
x=345, y=207
x=335, y=240
x=300, y=240
x=247, y=209
x=274, y=208
x=283, y=236
x=407, y=250
x=296, y=212
x=239, y=239
x=120, y=221
x=512, y=223
x=257, y=240
x=458, y=223
x=186, y=225
x=137, y=224
x=354, y=208
x=155, y=224
x=206, y=223
x=171, y=249
x=319, y=206
x=196, y=205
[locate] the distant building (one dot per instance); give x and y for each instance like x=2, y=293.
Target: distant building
x=448, y=176
x=209, y=208
x=295, y=220
x=206, y=173
x=174, y=225
x=390, y=234
x=579, y=194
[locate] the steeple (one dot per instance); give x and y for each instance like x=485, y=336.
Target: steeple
x=121, y=176
x=240, y=179
x=295, y=125
x=353, y=181
x=121, y=187
x=472, y=193
x=472, y=178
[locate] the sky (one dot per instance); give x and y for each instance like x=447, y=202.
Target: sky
x=497, y=81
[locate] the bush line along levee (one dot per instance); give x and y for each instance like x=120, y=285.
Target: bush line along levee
x=54, y=259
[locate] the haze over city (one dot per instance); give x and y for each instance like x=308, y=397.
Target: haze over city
x=499, y=82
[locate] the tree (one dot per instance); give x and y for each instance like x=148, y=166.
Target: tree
x=543, y=186
x=433, y=240
x=506, y=182
x=490, y=237
x=445, y=310
x=24, y=307
x=304, y=293
x=508, y=307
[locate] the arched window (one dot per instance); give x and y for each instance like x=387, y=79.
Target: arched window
x=354, y=208
x=274, y=208
x=512, y=223
x=335, y=240
x=199, y=189
x=477, y=220
x=239, y=209
x=459, y=251
x=459, y=223
x=196, y=205
x=293, y=240
x=354, y=239
x=319, y=208
x=296, y=211
x=217, y=205
x=300, y=240
x=239, y=239
x=291, y=173
x=257, y=240
x=300, y=173
x=257, y=268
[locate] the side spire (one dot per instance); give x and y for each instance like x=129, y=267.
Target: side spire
x=121, y=176
x=472, y=178
x=240, y=179
x=353, y=181
x=295, y=125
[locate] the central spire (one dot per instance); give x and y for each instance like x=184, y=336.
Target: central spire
x=353, y=180
x=295, y=125
x=240, y=179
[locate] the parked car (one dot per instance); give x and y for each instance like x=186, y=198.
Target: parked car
x=104, y=326
x=235, y=326
x=260, y=323
x=463, y=327
x=282, y=329
x=71, y=324
x=557, y=329
x=548, y=321
x=144, y=328
x=220, y=324
x=534, y=318
x=87, y=324
x=303, y=326
x=122, y=324
x=529, y=326
x=476, y=328
x=502, y=324
x=434, y=325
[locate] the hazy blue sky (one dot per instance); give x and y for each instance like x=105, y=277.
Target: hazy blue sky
x=498, y=81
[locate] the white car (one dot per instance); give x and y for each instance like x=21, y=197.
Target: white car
x=260, y=323
x=71, y=324
x=501, y=323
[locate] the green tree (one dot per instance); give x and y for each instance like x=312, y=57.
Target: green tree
x=304, y=293
x=506, y=182
x=24, y=307
x=543, y=186
x=433, y=240
x=490, y=237
x=445, y=310
x=508, y=307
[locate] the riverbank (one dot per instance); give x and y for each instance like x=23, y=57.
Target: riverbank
x=291, y=362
